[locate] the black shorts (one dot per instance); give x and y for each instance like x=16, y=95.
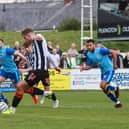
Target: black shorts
x=35, y=76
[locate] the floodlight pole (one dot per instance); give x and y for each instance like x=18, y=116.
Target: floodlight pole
x=84, y=8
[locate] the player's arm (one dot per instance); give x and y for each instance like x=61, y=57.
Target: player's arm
x=109, y=52
x=19, y=54
x=21, y=64
x=11, y=51
x=51, y=59
x=89, y=65
x=25, y=70
x=114, y=57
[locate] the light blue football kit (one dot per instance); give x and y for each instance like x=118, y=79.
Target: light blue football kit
x=8, y=67
x=101, y=58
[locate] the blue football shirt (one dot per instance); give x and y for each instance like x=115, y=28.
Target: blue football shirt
x=6, y=59
x=100, y=57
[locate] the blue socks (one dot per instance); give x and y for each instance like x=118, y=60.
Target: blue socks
x=109, y=94
x=110, y=88
x=112, y=97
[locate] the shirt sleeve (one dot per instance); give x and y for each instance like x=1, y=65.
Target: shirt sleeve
x=104, y=51
x=10, y=51
x=51, y=59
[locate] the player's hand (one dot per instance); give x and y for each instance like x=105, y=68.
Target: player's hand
x=39, y=37
x=21, y=64
x=29, y=69
x=84, y=67
x=115, y=66
x=58, y=69
x=81, y=68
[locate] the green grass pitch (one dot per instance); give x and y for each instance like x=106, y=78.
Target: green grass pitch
x=78, y=110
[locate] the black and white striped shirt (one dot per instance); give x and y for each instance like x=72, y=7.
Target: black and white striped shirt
x=40, y=56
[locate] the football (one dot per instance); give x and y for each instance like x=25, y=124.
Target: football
x=3, y=106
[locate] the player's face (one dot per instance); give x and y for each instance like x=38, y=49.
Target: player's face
x=90, y=46
x=28, y=37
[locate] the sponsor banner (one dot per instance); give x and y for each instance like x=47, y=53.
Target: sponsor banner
x=113, y=30
x=112, y=23
x=7, y=86
x=121, y=78
x=75, y=80
x=89, y=79
x=59, y=81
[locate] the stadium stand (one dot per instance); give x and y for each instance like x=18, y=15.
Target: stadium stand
x=39, y=15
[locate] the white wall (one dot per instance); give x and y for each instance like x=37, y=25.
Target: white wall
x=7, y=1
x=12, y=1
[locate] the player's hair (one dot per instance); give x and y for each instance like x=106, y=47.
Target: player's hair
x=90, y=40
x=1, y=40
x=26, y=31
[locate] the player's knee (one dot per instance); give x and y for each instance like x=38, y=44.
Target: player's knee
x=21, y=86
x=105, y=91
x=2, y=79
x=102, y=87
x=19, y=94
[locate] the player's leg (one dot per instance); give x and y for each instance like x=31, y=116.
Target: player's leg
x=46, y=83
x=16, y=78
x=34, y=91
x=3, y=98
x=47, y=92
x=51, y=95
x=32, y=79
x=22, y=86
x=112, y=88
x=106, y=78
x=2, y=79
x=103, y=86
x=3, y=75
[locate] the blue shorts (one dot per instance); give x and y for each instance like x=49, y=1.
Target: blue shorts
x=107, y=76
x=15, y=76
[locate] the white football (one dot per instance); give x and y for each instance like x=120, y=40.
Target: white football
x=3, y=106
